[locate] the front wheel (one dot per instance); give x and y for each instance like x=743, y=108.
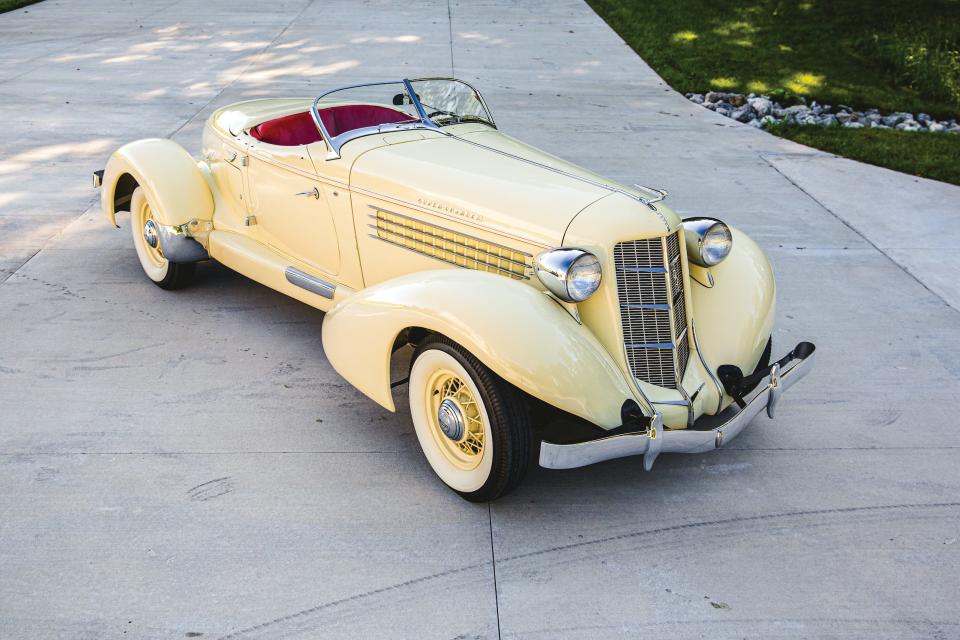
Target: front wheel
x=474, y=427
x=146, y=239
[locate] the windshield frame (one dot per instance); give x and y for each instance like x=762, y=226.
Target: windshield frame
x=334, y=144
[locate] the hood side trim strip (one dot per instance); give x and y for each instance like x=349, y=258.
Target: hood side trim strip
x=567, y=174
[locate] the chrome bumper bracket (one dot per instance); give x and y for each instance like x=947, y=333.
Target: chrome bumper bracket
x=656, y=440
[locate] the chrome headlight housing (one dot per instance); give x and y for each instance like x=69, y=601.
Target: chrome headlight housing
x=709, y=241
x=573, y=275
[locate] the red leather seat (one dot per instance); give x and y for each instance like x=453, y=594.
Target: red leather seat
x=288, y=131
x=299, y=128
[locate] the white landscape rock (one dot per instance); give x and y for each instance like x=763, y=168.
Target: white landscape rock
x=763, y=111
x=762, y=106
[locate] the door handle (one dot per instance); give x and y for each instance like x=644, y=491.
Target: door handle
x=315, y=193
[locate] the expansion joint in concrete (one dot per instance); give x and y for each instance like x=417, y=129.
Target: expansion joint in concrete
x=858, y=232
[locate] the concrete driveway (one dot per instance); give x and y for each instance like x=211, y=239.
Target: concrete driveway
x=188, y=465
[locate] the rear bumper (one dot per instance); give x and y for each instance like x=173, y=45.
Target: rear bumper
x=656, y=440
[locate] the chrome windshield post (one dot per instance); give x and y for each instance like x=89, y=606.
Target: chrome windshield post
x=334, y=147
x=419, y=107
x=333, y=153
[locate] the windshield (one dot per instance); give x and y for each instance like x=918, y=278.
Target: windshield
x=350, y=112
x=444, y=101
x=450, y=101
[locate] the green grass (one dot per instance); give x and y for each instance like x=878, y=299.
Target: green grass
x=10, y=5
x=883, y=54
x=930, y=155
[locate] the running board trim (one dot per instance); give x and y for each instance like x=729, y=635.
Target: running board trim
x=311, y=284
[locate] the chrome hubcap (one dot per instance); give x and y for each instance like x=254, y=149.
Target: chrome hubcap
x=151, y=234
x=451, y=419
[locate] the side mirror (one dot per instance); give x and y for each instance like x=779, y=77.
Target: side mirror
x=401, y=99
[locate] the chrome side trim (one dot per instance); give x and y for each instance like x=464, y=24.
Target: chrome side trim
x=311, y=284
x=655, y=441
x=686, y=396
x=703, y=361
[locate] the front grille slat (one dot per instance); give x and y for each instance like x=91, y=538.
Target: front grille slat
x=652, y=309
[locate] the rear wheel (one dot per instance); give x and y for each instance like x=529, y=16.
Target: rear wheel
x=146, y=240
x=473, y=427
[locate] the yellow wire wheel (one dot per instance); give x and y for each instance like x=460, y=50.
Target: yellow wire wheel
x=472, y=426
x=456, y=421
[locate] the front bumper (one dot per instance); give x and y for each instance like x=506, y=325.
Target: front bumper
x=656, y=440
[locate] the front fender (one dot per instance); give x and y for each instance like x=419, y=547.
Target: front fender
x=734, y=318
x=174, y=184
x=520, y=333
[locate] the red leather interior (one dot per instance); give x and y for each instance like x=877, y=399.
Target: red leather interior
x=288, y=131
x=299, y=128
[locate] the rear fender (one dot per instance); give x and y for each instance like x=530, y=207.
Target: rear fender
x=520, y=333
x=174, y=183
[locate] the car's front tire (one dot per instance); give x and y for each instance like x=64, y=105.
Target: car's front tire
x=164, y=273
x=473, y=427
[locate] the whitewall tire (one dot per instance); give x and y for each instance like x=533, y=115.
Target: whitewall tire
x=145, y=229
x=473, y=427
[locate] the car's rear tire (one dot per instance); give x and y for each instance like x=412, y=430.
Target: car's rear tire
x=162, y=272
x=474, y=428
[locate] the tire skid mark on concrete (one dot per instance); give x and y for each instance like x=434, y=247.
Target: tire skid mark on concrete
x=211, y=489
x=300, y=616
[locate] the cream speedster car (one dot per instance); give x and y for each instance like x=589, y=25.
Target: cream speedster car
x=530, y=291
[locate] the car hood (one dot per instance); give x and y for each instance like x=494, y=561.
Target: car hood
x=461, y=180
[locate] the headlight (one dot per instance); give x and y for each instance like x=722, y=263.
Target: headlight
x=708, y=241
x=573, y=275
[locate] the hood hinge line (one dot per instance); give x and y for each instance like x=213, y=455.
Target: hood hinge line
x=594, y=183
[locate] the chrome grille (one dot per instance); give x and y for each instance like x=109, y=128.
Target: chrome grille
x=652, y=309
